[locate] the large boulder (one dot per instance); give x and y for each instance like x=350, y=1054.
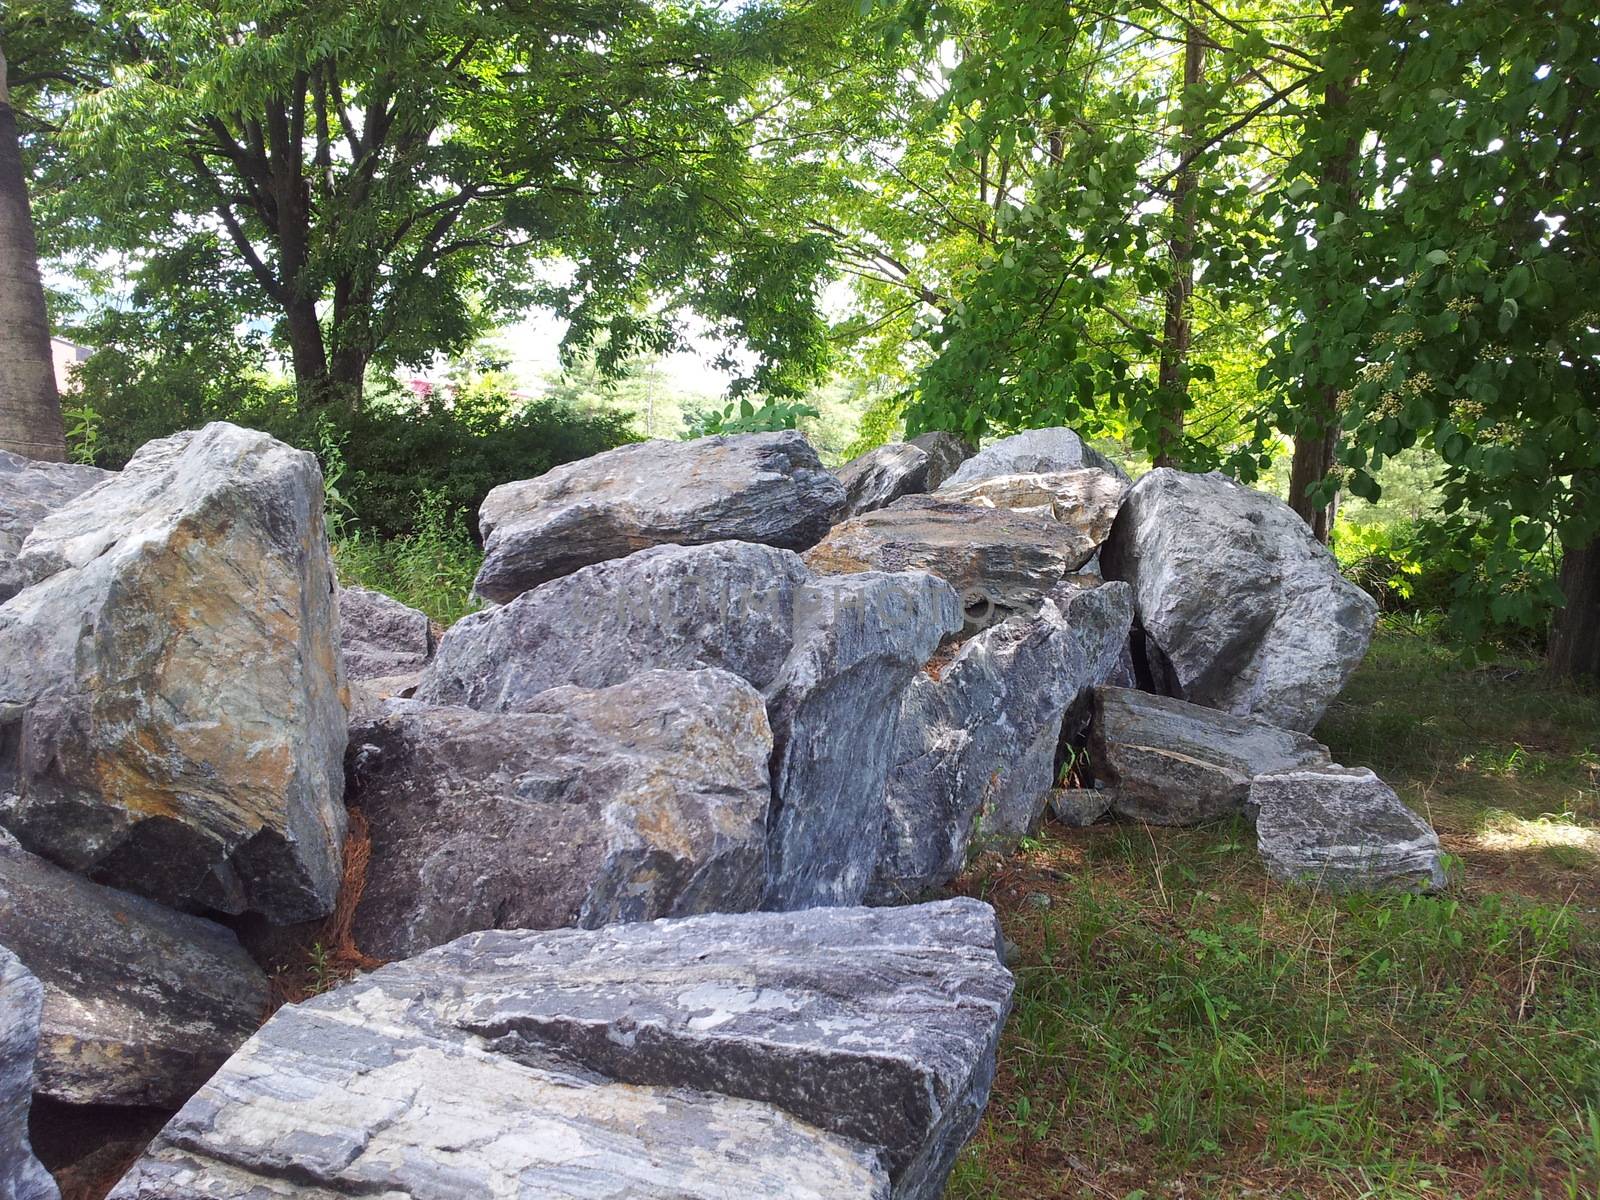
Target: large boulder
x=1086, y=499
x=976, y=748
x=141, y=1004
x=882, y=475
x=22, y=1176
x=834, y=1053
x=946, y=452
x=1345, y=830
x=756, y=487
x=648, y=799
x=380, y=638
x=1241, y=609
x=830, y=655
x=30, y=491
x=1000, y=562
x=1169, y=762
x=172, y=714
x=1031, y=452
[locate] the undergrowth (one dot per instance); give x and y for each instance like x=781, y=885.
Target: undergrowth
x=431, y=569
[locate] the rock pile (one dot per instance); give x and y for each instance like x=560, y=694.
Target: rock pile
x=619, y=825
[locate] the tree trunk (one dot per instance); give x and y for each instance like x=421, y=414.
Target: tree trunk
x=30, y=409
x=1175, y=331
x=1575, y=640
x=1316, y=443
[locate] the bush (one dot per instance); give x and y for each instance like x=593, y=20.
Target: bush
x=396, y=450
x=431, y=569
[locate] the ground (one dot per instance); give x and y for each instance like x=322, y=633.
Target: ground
x=1184, y=1027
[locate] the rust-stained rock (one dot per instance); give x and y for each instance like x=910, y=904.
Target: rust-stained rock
x=172, y=708
x=29, y=492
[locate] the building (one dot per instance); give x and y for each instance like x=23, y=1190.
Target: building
x=67, y=355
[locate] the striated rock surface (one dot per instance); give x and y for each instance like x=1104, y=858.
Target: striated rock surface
x=1079, y=807
x=1241, y=609
x=644, y=800
x=881, y=476
x=1031, y=452
x=946, y=452
x=1173, y=763
x=172, y=712
x=999, y=562
x=22, y=1176
x=831, y=1053
x=380, y=638
x=30, y=491
x=1345, y=830
x=757, y=487
x=977, y=743
x=141, y=1004
x=1085, y=499
x=830, y=655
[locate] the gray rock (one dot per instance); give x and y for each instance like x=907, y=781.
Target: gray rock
x=1079, y=807
x=141, y=1004
x=1240, y=607
x=1000, y=562
x=1174, y=763
x=946, y=452
x=1086, y=499
x=1344, y=830
x=379, y=637
x=797, y=1055
x=976, y=748
x=172, y=709
x=755, y=487
x=30, y=491
x=644, y=800
x=881, y=476
x=1032, y=452
x=830, y=655
x=22, y=1176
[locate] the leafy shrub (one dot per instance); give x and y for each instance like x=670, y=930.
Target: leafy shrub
x=431, y=569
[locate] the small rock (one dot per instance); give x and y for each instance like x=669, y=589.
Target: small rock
x=1039, y=900
x=141, y=1004
x=644, y=800
x=1032, y=452
x=1172, y=763
x=756, y=487
x=22, y=1176
x=1345, y=830
x=1000, y=562
x=882, y=475
x=795, y=1055
x=1079, y=807
x=1240, y=608
x=379, y=637
x=172, y=707
x=946, y=452
x=29, y=492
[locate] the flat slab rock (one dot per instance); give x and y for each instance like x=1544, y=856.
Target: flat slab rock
x=587, y=807
x=830, y=655
x=172, y=706
x=1169, y=762
x=1241, y=608
x=141, y=1004
x=999, y=562
x=1086, y=499
x=30, y=491
x=1031, y=452
x=1345, y=830
x=831, y=1053
x=22, y=1176
x=976, y=747
x=757, y=487
x=380, y=638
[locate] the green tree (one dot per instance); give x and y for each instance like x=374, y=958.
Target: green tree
x=388, y=179
x=1452, y=304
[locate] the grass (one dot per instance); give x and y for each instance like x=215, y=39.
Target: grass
x=431, y=570
x=1185, y=1027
